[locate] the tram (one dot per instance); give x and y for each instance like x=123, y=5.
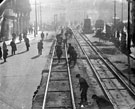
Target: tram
x=87, y=28
x=99, y=24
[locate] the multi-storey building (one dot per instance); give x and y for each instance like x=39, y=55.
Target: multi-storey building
x=14, y=18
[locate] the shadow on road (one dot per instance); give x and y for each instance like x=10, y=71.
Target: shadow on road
x=9, y=56
x=35, y=57
x=2, y=62
x=21, y=52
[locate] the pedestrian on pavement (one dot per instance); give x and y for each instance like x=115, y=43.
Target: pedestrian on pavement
x=5, y=50
x=13, y=47
x=14, y=36
x=35, y=33
x=118, y=34
x=20, y=37
x=102, y=102
x=0, y=53
x=46, y=35
x=5, y=54
x=24, y=35
x=27, y=43
x=83, y=88
x=4, y=46
x=123, y=44
x=42, y=36
x=40, y=47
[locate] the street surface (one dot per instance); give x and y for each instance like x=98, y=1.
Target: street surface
x=21, y=74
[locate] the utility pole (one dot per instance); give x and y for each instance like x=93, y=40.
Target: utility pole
x=114, y=12
x=40, y=17
x=55, y=21
x=35, y=17
x=128, y=44
x=122, y=11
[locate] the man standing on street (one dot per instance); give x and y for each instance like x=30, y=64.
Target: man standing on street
x=13, y=47
x=40, y=47
x=42, y=36
x=83, y=88
x=0, y=53
x=5, y=51
x=27, y=43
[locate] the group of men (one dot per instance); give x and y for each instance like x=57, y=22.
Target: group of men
x=61, y=43
x=102, y=102
x=13, y=47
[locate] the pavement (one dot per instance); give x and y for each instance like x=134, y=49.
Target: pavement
x=21, y=74
x=31, y=36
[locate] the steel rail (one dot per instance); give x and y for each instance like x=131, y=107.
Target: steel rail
x=70, y=80
x=107, y=64
x=111, y=63
x=117, y=77
x=49, y=74
x=97, y=76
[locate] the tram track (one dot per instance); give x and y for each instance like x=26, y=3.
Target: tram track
x=59, y=91
x=115, y=70
x=112, y=65
x=114, y=87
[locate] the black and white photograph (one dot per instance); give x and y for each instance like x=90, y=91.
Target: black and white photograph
x=67, y=54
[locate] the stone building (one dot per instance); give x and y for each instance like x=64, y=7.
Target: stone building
x=14, y=18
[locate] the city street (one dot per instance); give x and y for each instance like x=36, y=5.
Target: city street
x=67, y=54
x=21, y=74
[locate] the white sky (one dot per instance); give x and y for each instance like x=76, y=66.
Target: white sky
x=55, y=1
x=46, y=2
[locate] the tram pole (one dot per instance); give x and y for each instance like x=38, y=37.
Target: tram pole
x=41, y=17
x=128, y=44
x=35, y=17
x=114, y=22
x=122, y=11
x=114, y=12
x=55, y=21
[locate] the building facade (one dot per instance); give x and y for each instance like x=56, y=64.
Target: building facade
x=15, y=18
